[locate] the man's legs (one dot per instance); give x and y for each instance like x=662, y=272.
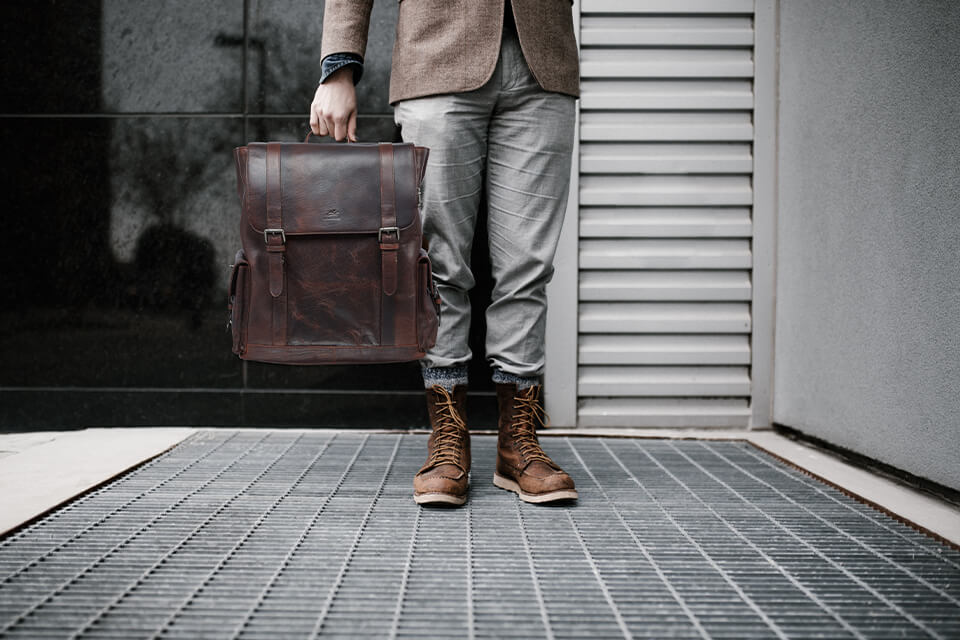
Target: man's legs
x=529, y=148
x=454, y=127
x=525, y=136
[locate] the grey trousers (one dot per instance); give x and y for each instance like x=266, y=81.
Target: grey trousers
x=513, y=140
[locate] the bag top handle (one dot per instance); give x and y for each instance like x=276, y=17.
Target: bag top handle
x=310, y=133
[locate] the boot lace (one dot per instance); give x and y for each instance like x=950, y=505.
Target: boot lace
x=448, y=434
x=527, y=415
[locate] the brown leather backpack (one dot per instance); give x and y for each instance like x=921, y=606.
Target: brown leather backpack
x=332, y=268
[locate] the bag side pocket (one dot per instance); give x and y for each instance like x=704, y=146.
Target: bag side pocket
x=236, y=322
x=428, y=304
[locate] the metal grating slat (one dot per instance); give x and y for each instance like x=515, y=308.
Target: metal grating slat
x=790, y=480
x=300, y=535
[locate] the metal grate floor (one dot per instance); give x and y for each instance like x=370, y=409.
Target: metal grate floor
x=297, y=535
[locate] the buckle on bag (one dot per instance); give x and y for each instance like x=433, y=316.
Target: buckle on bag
x=274, y=232
x=383, y=230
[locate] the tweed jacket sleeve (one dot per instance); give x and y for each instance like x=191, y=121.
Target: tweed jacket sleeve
x=345, y=26
x=452, y=46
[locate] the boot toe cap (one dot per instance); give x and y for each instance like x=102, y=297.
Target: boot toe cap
x=542, y=483
x=550, y=478
x=557, y=481
x=446, y=479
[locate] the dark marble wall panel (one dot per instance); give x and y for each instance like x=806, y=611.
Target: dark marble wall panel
x=124, y=225
x=356, y=411
x=38, y=408
x=284, y=64
x=174, y=175
x=92, y=407
x=56, y=190
x=121, y=56
x=121, y=346
x=172, y=56
x=50, y=56
x=121, y=223
x=381, y=377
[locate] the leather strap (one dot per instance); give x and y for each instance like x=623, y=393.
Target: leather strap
x=389, y=240
x=276, y=242
x=389, y=236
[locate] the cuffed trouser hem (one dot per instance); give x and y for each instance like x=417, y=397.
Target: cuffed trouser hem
x=522, y=382
x=436, y=361
x=509, y=366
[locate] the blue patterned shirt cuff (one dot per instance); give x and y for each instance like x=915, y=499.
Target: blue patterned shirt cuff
x=336, y=61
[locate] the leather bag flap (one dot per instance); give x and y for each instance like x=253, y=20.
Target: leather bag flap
x=329, y=188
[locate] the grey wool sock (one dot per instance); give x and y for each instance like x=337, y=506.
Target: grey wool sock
x=502, y=377
x=446, y=377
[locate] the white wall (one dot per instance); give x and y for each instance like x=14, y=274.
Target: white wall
x=867, y=351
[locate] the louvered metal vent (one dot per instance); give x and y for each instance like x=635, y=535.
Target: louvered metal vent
x=287, y=535
x=666, y=159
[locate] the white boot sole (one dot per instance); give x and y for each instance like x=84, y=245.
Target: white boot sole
x=510, y=485
x=438, y=498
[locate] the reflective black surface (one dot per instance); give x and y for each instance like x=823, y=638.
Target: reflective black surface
x=283, y=61
x=118, y=119
x=50, y=56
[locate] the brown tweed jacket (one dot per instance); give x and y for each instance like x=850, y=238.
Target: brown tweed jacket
x=450, y=46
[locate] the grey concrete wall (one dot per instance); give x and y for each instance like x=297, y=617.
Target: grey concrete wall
x=868, y=270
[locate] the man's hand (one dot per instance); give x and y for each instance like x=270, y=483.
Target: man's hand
x=334, y=108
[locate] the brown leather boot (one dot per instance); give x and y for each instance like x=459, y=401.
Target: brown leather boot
x=445, y=478
x=522, y=466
